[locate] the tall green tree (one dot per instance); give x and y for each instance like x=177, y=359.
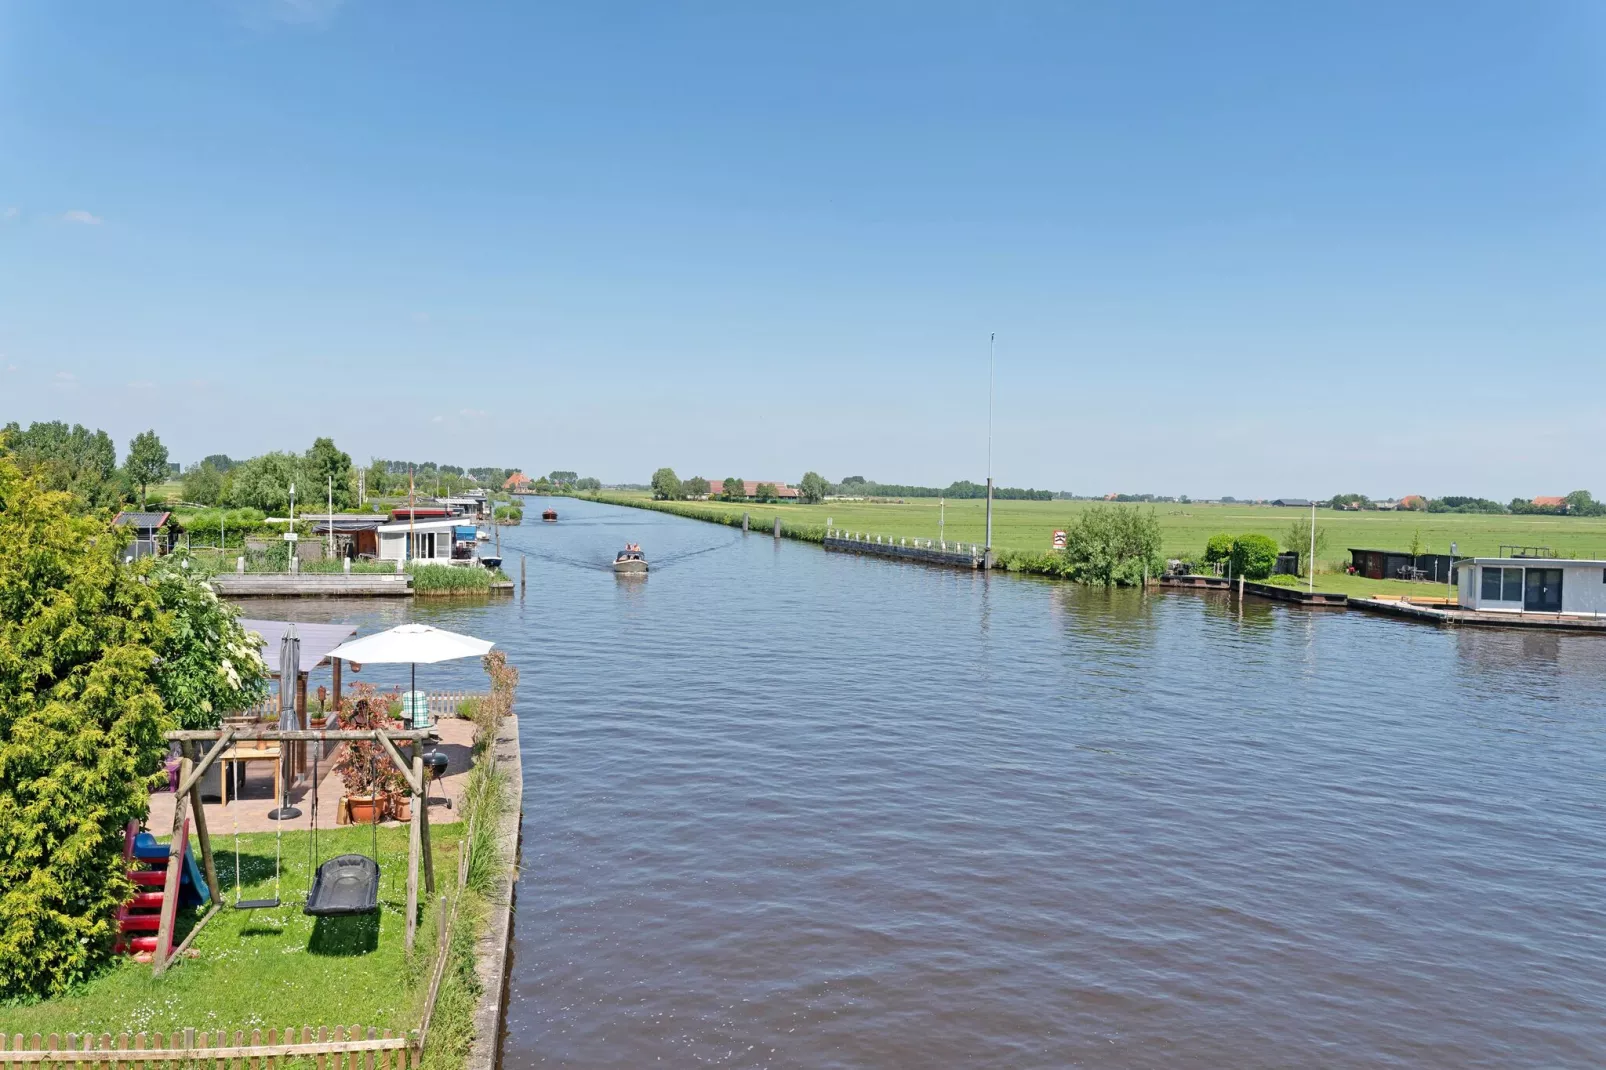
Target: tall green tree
x=264, y=483
x=203, y=484
x=147, y=462
x=735, y=489
x=81, y=723
x=666, y=485
x=72, y=459
x=324, y=464
x=695, y=487
x=765, y=492
x=813, y=488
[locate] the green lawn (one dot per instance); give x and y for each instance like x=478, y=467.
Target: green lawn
x=272, y=968
x=1029, y=525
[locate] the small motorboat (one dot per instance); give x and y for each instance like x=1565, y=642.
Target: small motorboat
x=630, y=561
x=483, y=536
x=490, y=561
x=550, y=516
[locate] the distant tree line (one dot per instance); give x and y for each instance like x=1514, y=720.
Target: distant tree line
x=860, y=487
x=1578, y=503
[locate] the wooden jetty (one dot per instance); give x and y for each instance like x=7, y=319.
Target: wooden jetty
x=1253, y=589
x=313, y=584
x=1452, y=617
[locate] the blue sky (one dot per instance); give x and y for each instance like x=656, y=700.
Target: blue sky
x=1228, y=248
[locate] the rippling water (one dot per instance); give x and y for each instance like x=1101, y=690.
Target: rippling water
x=796, y=809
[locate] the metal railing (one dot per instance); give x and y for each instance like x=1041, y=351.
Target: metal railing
x=974, y=550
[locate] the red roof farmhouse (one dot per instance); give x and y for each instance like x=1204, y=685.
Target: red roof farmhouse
x=716, y=488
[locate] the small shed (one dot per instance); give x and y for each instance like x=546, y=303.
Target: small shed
x=154, y=533
x=1557, y=586
x=356, y=534
x=1403, y=565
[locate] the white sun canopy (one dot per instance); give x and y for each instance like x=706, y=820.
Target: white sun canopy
x=417, y=644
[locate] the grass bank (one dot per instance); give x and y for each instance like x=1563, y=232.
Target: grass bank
x=1023, y=530
x=272, y=968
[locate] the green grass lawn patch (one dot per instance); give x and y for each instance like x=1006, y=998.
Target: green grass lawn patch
x=1028, y=527
x=274, y=967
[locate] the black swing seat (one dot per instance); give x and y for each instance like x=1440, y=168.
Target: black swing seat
x=257, y=904
x=345, y=885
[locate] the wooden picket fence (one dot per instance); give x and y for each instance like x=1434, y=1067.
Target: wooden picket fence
x=340, y=1048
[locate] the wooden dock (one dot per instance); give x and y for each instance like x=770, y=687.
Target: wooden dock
x=313, y=585
x=928, y=551
x=1274, y=592
x=1458, y=618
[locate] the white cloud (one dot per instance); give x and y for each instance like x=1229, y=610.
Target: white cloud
x=78, y=215
x=141, y=384
x=11, y=213
x=436, y=419
x=66, y=381
x=420, y=317
x=472, y=413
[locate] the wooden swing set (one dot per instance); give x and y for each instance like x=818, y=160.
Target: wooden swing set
x=193, y=765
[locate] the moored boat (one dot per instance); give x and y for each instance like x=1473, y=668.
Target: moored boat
x=630, y=561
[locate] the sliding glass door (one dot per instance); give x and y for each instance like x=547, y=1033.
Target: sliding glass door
x=1543, y=594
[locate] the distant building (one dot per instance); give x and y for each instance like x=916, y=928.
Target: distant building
x=1550, y=501
x=1547, y=585
x=1413, y=501
x=518, y=483
x=1299, y=503
x=154, y=533
x=716, y=489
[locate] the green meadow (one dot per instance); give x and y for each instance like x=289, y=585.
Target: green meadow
x=1030, y=525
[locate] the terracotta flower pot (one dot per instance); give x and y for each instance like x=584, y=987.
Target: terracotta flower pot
x=401, y=808
x=364, y=809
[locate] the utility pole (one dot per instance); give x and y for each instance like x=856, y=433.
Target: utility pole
x=991, y=339
x=331, y=517
x=1312, y=586
x=410, y=512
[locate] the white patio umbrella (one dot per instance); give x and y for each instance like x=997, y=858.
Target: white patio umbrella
x=412, y=644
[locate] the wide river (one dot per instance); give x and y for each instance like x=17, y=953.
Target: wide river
x=796, y=809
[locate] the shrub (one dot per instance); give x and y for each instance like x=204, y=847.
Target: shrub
x=209, y=663
x=1112, y=545
x=1218, y=548
x=81, y=724
x=1254, y=556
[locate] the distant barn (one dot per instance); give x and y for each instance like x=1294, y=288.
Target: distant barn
x=1296, y=503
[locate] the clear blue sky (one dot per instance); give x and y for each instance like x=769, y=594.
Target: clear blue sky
x=1228, y=248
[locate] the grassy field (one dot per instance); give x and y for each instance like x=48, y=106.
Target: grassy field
x=272, y=968
x=1030, y=525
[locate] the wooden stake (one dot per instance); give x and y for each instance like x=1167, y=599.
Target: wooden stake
x=204, y=839
x=421, y=808
x=175, y=865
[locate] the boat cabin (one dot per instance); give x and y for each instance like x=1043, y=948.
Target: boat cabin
x=1549, y=585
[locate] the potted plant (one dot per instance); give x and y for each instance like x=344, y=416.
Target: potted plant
x=362, y=768
x=320, y=716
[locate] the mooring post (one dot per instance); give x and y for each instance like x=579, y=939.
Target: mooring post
x=777, y=527
x=744, y=523
x=521, y=575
